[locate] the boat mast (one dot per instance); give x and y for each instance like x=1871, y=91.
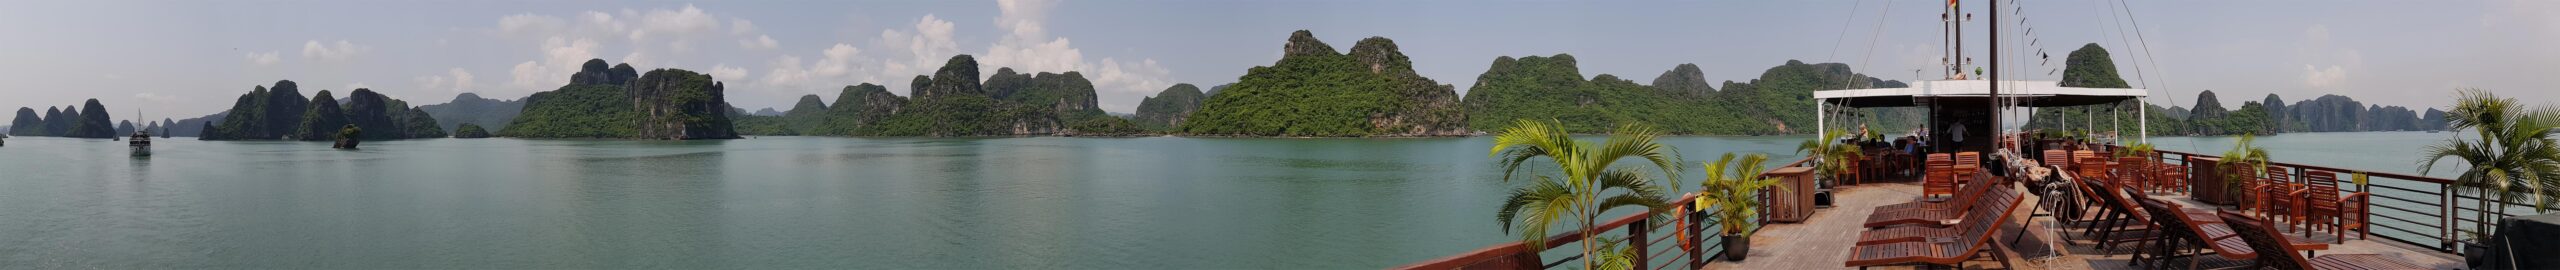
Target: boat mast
x=1995, y=73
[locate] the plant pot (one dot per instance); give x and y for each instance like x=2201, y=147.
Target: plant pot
x=1736, y=247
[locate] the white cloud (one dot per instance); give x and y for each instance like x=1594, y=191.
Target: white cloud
x=1027, y=47
x=265, y=58
x=677, y=23
x=2325, y=64
x=915, y=53
x=155, y=97
x=651, y=38
x=761, y=42
x=334, y=51
x=560, y=57
x=453, y=80
x=741, y=26
x=2322, y=78
x=726, y=72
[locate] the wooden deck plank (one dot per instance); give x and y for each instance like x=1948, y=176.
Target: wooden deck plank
x=1824, y=241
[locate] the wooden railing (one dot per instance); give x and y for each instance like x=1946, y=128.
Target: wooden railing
x=1643, y=234
x=2429, y=218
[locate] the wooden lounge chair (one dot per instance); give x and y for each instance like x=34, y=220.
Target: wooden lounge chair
x=2184, y=230
x=2129, y=223
x=1967, y=165
x=2261, y=236
x=2003, y=200
x=1931, y=217
x=1974, y=242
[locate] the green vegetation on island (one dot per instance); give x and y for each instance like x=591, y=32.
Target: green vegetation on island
x=1315, y=91
x=470, y=131
x=469, y=108
x=953, y=102
x=90, y=120
x=1167, y=109
x=1679, y=102
x=282, y=113
x=616, y=102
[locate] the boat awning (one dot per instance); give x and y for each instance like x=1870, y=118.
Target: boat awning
x=2021, y=93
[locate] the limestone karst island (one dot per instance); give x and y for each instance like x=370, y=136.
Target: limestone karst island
x=1317, y=134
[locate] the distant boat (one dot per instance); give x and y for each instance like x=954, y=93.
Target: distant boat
x=141, y=143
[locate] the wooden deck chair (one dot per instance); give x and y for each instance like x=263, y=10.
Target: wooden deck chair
x=1954, y=251
x=2002, y=200
x=1957, y=203
x=1931, y=217
x=2261, y=236
x=2185, y=232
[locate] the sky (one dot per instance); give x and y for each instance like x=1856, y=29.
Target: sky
x=182, y=59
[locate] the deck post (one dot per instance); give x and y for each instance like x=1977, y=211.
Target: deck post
x=1697, y=247
x=1821, y=118
x=1636, y=239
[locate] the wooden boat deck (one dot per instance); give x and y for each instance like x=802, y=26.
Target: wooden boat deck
x=1824, y=241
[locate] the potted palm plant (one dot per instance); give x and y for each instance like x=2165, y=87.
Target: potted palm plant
x=2515, y=156
x=1588, y=185
x=1732, y=190
x=1831, y=158
x=2244, y=161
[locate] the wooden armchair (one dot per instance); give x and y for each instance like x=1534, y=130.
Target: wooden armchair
x=2275, y=195
x=1940, y=177
x=2322, y=205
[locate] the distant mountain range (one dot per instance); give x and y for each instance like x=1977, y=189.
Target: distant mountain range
x=2090, y=66
x=1311, y=91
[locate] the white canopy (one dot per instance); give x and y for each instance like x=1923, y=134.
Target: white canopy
x=2021, y=93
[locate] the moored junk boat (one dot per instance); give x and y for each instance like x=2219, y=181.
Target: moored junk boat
x=141, y=143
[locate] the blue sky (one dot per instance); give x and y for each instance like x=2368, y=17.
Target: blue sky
x=182, y=59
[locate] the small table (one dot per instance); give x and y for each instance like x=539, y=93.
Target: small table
x=1795, y=204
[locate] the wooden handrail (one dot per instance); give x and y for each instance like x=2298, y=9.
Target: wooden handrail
x=2430, y=180
x=1499, y=251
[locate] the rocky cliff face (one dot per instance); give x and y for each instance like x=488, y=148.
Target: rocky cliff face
x=385, y=118
x=1167, y=109
x=92, y=122
x=265, y=113
x=1304, y=43
x=676, y=104
x=1067, y=93
x=957, y=77
x=1685, y=79
x=594, y=72
x=860, y=106
x=954, y=103
x=55, y=123
x=807, y=115
x=322, y=122
x=28, y=123
x=261, y=115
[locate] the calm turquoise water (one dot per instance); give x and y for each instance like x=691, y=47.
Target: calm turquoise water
x=796, y=202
